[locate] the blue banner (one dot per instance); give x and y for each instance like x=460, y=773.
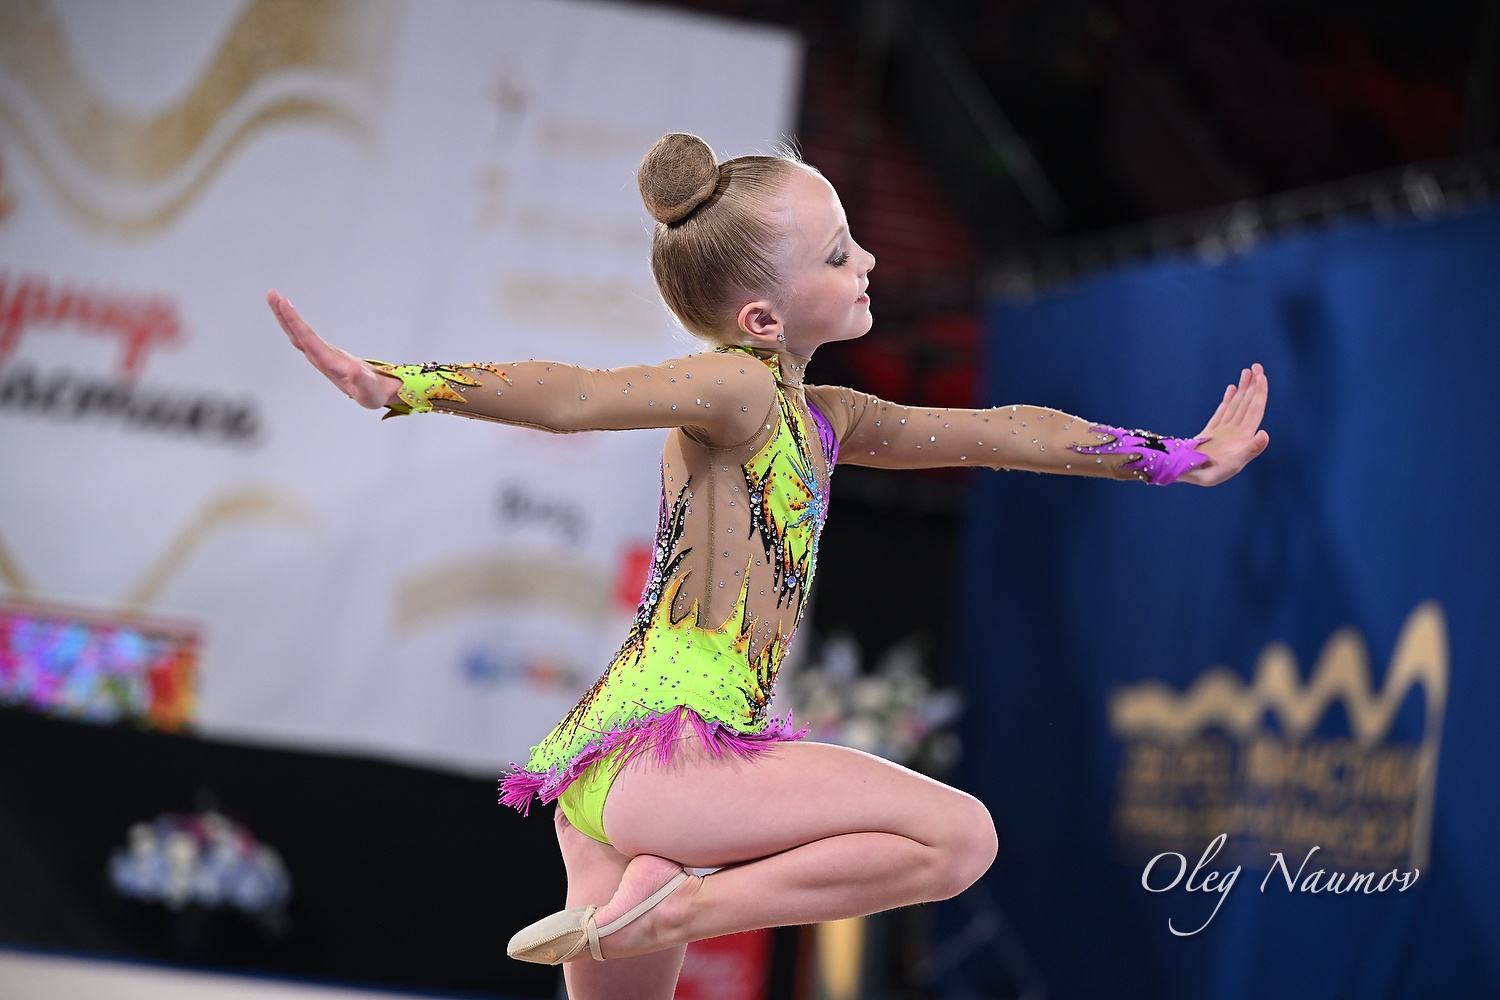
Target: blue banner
x=1239, y=743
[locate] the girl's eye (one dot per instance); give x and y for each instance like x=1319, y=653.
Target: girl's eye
x=840, y=259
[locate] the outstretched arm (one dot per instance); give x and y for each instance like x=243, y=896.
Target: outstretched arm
x=878, y=433
x=721, y=399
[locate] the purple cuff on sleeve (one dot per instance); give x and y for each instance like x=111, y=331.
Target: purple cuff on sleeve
x=1158, y=460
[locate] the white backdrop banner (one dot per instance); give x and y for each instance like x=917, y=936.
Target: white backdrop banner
x=442, y=180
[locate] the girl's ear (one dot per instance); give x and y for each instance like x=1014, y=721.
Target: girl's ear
x=759, y=320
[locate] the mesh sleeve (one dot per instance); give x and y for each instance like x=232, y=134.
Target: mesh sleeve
x=875, y=432
x=720, y=397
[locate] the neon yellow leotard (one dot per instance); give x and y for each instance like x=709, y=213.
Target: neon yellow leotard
x=745, y=488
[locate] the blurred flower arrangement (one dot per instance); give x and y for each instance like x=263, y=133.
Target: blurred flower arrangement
x=892, y=710
x=206, y=860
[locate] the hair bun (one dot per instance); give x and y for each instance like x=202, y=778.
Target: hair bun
x=676, y=176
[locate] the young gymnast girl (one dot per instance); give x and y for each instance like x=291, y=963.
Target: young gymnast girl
x=671, y=760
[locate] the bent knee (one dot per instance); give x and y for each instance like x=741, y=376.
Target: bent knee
x=967, y=851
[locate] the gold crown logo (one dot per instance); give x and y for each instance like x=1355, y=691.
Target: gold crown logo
x=1206, y=761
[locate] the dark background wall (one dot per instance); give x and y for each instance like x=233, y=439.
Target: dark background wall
x=1370, y=508
x=403, y=877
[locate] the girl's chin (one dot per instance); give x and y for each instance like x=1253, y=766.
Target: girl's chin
x=853, y=332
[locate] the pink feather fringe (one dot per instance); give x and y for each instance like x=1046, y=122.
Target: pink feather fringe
x=654, y=734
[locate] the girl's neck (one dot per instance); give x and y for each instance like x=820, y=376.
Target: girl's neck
x=788, y=367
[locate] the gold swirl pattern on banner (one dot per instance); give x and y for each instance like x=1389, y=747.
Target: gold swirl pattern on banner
x=229, y=508
x=10, y=571
x=186, y=145
x=1327, y=776
x=457, y=586
x=591, y=137
x=547, y=300
x=1342, y=673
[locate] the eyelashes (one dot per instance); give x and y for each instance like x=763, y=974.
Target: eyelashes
x=839, y=259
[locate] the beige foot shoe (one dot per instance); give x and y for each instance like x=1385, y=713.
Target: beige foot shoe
x=563, y=936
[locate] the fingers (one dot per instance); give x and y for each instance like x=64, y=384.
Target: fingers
x=1263, y=386
x=1242, y=395
x=353, y=377
x=1218, y=417
x=1226, y=405
x=275, y=299
x=297, y=331
x=321, y=353
x=340, y=367
x=1249, y=398
x=1237, y=437
x=1234, y=436
x=290, y=321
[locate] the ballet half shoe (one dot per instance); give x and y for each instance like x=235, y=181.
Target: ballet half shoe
x=565, y=934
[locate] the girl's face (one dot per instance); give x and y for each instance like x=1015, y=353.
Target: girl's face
x=825, y=273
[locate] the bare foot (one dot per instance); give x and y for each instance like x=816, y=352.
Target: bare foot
x=658, y=927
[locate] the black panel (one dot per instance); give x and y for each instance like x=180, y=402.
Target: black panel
x=402, y=877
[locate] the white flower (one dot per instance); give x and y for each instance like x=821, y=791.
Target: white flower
x=181, y=853
x=841, y=658
x=870, y=695
x=862, y=733
x=941, y=708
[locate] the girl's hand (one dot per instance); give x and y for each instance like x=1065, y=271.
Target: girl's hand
x=357, y=379
x=1233, y=434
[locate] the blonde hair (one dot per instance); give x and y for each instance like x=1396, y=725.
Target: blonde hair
x=714, y=239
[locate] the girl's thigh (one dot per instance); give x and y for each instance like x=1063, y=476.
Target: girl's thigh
x=707, y=812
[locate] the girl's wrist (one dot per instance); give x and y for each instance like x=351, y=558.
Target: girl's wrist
x=1154, y=459
x=389, y=392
